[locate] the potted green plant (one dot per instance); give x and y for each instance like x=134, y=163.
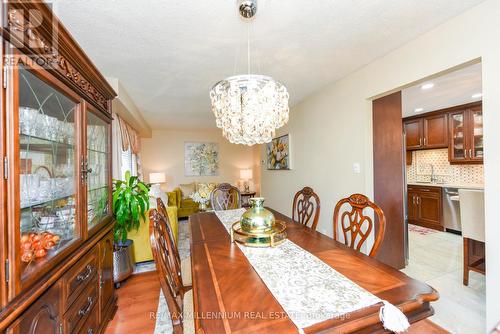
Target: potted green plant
x=130, y=204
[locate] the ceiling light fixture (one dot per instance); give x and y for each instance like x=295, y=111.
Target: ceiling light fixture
x=427, y=85
x=249, y=107
x=477, y=95
x=419, y=109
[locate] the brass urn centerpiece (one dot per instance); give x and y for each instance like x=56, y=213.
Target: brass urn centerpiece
x=257, y=219
x=258, y=227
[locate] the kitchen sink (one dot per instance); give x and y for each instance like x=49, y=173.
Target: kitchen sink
x=429, y=182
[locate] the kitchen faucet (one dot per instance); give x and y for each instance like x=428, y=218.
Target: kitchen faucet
x=433, y=176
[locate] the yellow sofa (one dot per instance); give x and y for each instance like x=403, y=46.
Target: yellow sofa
x=142, y=248
x=185, y=207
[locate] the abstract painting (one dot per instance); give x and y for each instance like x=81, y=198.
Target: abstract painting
x=278, y=153
x=201, y=159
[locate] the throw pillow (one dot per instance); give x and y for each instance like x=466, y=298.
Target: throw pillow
x=187, y=189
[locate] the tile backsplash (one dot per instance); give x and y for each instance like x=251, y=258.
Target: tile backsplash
x=420, y=170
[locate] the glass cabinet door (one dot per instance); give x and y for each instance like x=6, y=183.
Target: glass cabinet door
x=476, y=150
x=47, y=156
x=97, y=165
x=458, y=143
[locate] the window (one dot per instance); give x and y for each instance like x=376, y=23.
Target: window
x=129, y=163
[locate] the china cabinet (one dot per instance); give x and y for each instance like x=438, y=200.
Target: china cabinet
x=56, y=231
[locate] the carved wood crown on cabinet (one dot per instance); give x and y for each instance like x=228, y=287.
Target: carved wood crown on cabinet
x=19, y=30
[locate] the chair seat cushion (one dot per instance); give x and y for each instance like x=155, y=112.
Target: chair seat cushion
x=188, y=313
x=186, y=271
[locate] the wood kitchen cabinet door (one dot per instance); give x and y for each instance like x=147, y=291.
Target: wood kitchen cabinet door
x=412, y=206
x=425, y=207
x=458, y=137
x=436, y=131
x=475, y=147
x=430, y=210
x=414, y=132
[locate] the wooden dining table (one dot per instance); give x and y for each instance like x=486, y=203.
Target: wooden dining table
x=230, y=297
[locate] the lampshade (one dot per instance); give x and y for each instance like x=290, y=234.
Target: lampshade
x=246, y=174
x=157, y=178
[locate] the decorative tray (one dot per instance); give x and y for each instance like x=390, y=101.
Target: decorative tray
x=271, y=238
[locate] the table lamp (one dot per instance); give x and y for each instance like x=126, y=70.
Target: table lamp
x=156, y=179
x=246, y=175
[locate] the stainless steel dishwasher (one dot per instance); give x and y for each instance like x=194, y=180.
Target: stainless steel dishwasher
x=451, y=209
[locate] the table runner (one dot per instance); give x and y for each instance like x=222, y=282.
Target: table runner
x=309, y=290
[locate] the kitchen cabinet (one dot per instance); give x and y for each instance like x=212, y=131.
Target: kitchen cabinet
x=435, y=131
x=466, y=136
x=412, y=206
x=55, y=136
x=427, y=132
x=425, y=206
x=414, y=132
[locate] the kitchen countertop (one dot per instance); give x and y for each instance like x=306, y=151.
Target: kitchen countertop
x=447, y=185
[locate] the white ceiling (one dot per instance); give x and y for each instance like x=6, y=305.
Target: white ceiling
x=449, y=90
x=168, y=54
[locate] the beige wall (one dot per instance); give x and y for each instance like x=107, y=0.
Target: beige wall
x=332, y=129
x=164, y=152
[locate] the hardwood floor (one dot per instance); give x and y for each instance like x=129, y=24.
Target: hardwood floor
x=138, y=297
x=137, y=304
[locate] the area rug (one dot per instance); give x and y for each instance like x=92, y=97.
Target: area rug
x=163, y=323
x=421, y=230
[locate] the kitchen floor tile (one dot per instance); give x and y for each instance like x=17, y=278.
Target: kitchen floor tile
x=437, y=259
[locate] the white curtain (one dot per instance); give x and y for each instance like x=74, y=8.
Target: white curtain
x=117, y=148
x=139, y=167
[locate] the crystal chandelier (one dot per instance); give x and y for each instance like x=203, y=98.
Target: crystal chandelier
x=249, y=107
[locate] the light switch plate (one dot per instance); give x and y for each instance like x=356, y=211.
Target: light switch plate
x=356, y=168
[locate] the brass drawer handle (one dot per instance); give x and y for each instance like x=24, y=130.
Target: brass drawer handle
x=87, y=308
x=82, y=277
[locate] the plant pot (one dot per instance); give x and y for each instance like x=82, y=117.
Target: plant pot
x=123, y=262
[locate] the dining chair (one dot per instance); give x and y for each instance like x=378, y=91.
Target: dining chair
x=306, y=207
x=179, y=298
x=472, y=218
x=225, y=197
x=185, y=263
x=355, y=225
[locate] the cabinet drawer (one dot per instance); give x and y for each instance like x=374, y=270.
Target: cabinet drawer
x=82, y=308
x=425, y=189
x=91, y=326
x=79, y=276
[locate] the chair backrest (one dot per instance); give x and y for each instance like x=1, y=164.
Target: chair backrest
x=306, y=207
x=225, y=197
x=162, y=210
x=355, y=225
x=167, y=263
x=472, y=213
